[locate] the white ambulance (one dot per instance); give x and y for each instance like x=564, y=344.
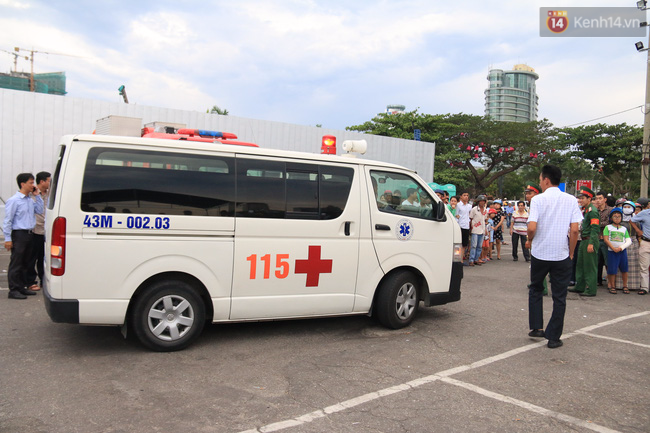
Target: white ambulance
x=162, y=236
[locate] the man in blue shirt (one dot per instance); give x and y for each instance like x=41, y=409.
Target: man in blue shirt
x=509, y=210
x=641, y=225
x=20, y=219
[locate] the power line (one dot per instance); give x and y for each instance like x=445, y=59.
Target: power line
x=609, y=115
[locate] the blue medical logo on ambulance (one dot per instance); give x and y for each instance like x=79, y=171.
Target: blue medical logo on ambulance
x=404, y=230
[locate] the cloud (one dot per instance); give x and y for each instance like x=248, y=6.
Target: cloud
x=333, y=62
x=14, y=4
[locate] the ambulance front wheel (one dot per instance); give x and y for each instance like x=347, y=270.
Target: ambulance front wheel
x=397, y=300
x=168, y=316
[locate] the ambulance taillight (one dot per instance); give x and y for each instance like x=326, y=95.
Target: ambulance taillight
x=328, y=146
x=57, y=250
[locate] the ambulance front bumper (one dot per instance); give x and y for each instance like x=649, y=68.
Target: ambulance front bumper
x=453, y=294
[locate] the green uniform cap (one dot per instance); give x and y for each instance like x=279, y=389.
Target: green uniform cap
x=586, y=191
x=533, y=187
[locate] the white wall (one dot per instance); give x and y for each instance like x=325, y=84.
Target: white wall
x=31, y=125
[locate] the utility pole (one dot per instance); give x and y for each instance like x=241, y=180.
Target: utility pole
x=645, y=147
x=645, y=152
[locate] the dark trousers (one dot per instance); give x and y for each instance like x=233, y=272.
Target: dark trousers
x=515, y=243
x=575, y=262
x=560, y=273
x=602, y=259
x=21, y=254
x=35, y=269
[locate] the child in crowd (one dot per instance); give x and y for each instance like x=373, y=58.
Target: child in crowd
x=452, y=205
x=489, y=235
x=617, y=239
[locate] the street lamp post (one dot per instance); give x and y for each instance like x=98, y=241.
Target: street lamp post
x=645, y=147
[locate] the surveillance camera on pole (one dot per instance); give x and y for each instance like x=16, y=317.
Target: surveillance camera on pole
x=122, y=90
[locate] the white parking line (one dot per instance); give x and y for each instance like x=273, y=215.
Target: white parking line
x=647, y=346
x=531, y=407
x=445, y=376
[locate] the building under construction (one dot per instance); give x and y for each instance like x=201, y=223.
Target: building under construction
x=52, y=83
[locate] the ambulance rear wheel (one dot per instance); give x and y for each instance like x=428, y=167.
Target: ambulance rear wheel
x=397, y=300
x=168, y=316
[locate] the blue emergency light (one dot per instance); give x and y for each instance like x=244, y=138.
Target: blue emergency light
x=205, y=133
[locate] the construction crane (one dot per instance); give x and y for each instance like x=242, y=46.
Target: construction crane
x=16, y=56
x=31, y=61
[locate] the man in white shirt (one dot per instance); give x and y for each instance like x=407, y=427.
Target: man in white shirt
x=411, y=198
x=552, y=216
x=462, y=214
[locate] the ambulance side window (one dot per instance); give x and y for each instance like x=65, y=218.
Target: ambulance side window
x=278, y=189
x=160, y=183
x=334, y=190
x=398, y=193
x=302, y=191
x=261, y=189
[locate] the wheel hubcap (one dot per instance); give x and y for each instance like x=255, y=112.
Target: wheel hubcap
x=170, y=317
x=406, y=301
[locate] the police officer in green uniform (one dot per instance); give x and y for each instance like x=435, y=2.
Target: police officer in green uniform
x=531, y=191
x=586, y=269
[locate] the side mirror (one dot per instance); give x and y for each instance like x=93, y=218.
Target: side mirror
x=439, y=212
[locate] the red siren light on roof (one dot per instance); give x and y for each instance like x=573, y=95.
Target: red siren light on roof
x=199, y=135
x=206, y=133
x=328, y=146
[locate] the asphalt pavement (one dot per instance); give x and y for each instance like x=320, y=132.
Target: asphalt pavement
x=468, y=366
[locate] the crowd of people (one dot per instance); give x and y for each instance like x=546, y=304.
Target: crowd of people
x=609, y=226
x=486, y=224
x=573, y=239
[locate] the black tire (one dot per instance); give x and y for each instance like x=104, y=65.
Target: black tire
x=397, y=300
x=168, y=316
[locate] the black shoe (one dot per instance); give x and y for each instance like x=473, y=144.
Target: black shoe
x=527, y=260
x=589, y=295
x=15, y=294
x=28, y=292
x=539, y=333
x=600, y=283
x=575, y=291
x=514, y=259
x=554, y=344
x=572, y=283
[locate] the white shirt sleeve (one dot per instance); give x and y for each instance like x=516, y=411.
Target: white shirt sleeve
x=533, y=213
x=576, y=216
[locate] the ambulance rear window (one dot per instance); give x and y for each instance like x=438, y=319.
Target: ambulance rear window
x=55, y=178
x=161, y=183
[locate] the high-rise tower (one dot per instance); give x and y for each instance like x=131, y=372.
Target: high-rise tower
x=512, y=95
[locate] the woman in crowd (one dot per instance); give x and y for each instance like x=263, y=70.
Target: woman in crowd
x=499, y=221
x=518, y=231
x=477, y=217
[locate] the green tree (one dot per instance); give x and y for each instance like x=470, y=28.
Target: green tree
x=611, y=152
x=432, y=130
x=216, y=110
x=472, y=152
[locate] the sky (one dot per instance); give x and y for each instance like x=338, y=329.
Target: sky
x=333, y=63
